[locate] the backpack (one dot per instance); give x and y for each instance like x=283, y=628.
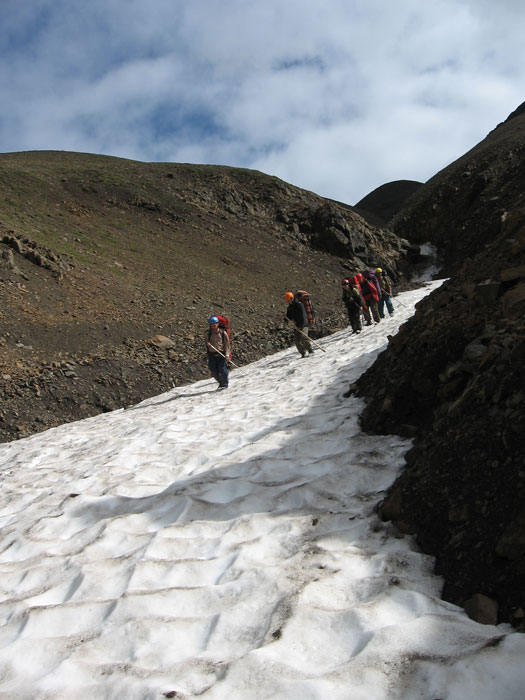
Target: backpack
x=369, y=290
x=387, y=282
x=306, y=301
x=357, y=299
x=224, y=324
x=352, y=296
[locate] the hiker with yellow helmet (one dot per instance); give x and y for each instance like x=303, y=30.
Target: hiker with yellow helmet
x=386, y=293
x=296, y=313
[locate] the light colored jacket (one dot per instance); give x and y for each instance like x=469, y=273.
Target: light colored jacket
x=219, y=339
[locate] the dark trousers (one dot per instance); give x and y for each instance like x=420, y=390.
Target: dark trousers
x=354, y=316
x=218, y=368
x=385, y=299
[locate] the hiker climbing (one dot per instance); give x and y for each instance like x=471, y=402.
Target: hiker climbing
x=358, y=278
x=386, y=292
x=370, y=291
x=219, y=350
x=296, y=312
x=353, y=301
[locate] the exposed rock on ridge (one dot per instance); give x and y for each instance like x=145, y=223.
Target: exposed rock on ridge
x=464, y=206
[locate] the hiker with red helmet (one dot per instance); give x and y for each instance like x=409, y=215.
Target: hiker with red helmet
x=219, y=352
x=371, y=292
x=296, y=313
x=366, y=311
x=353, y=301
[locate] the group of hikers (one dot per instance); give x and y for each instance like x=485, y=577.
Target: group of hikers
x=366, y=294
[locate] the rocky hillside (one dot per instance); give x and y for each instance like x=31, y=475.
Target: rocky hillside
x=453, y=379
x=110, y=269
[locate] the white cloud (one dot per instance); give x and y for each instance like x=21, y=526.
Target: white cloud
x=332, y=95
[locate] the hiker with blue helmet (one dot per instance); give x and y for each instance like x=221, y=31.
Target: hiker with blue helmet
x=219, y=352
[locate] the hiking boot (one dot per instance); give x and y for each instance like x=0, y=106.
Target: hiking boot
x=220, y=388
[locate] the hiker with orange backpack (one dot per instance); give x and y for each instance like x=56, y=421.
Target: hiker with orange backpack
x=218, y=348
x=296, y=312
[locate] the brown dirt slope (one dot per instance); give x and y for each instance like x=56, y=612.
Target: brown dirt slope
x=99, y=255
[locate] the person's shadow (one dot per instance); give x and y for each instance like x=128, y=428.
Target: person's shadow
x=168, y=400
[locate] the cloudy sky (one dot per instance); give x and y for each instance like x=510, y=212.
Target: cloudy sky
x=336, y=96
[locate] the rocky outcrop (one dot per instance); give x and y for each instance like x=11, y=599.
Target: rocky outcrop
x=300, y=217
x=330, y=228
x=37, y=255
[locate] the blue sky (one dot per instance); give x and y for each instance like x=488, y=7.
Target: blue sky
x=336, y=96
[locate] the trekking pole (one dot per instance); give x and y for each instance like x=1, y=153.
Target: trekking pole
x=310, y=339
x=400, y=302
x=231, y=361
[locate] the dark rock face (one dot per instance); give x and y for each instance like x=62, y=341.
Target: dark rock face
x=466, y=206
x=454, y=379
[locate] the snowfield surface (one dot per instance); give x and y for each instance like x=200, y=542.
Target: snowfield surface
x=224, y=545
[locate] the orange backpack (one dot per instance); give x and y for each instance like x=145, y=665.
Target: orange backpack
x=306, y=301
